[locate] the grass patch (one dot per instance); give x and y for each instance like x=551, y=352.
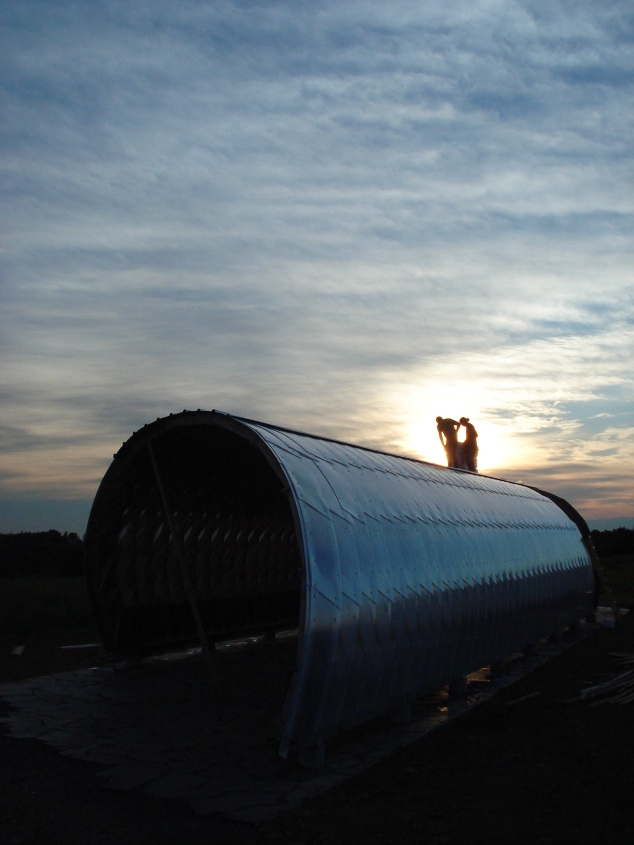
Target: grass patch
x=40, y=605
x=619, y=574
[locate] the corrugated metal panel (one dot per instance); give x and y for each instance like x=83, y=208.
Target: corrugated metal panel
x=416, y=575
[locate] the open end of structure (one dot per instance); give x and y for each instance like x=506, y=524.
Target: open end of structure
x=236, y=531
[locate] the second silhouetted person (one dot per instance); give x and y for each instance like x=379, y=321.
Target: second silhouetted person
x=470, y=444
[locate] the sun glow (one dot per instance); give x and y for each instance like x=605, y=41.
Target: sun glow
x=499, y=443
x=496, y=448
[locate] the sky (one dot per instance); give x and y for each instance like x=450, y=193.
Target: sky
x=346, y=218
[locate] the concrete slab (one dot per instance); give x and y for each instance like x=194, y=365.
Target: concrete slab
x=131, y=775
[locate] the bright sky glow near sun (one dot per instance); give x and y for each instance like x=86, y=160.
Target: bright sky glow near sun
x=345, y=218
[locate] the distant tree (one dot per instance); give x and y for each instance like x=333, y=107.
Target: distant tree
x=620, y=541
x=41, y=553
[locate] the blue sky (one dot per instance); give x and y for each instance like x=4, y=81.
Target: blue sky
x=345, y=218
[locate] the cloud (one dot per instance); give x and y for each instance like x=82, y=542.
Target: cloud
x=345, y=218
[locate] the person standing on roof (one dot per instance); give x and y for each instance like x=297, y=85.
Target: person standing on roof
x=448, y=434
x=470, y=444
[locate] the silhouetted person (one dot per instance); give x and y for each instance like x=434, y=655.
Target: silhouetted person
x=470, y=444
x=448, y=429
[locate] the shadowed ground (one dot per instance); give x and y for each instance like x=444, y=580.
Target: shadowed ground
x=538, y=761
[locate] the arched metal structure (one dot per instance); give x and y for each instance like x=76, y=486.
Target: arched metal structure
x=401, y=575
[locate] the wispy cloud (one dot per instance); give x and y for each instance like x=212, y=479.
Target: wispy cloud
x=343, y=217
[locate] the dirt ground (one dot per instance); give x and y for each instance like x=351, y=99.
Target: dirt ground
x=536, y=770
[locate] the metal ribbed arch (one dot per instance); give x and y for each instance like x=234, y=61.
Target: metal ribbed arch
x=236, y=530
x=414, y=574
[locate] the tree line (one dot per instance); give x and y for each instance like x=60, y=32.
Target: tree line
x=41, y=553
x=619, y=541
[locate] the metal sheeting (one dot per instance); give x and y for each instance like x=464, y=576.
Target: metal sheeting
x=414, y=574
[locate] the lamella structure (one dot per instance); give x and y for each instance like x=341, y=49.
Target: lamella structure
x=400, y=575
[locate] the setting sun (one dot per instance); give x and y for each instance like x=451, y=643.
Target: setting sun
x=496, y=447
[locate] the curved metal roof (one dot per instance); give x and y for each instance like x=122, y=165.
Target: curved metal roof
x=415, y=574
